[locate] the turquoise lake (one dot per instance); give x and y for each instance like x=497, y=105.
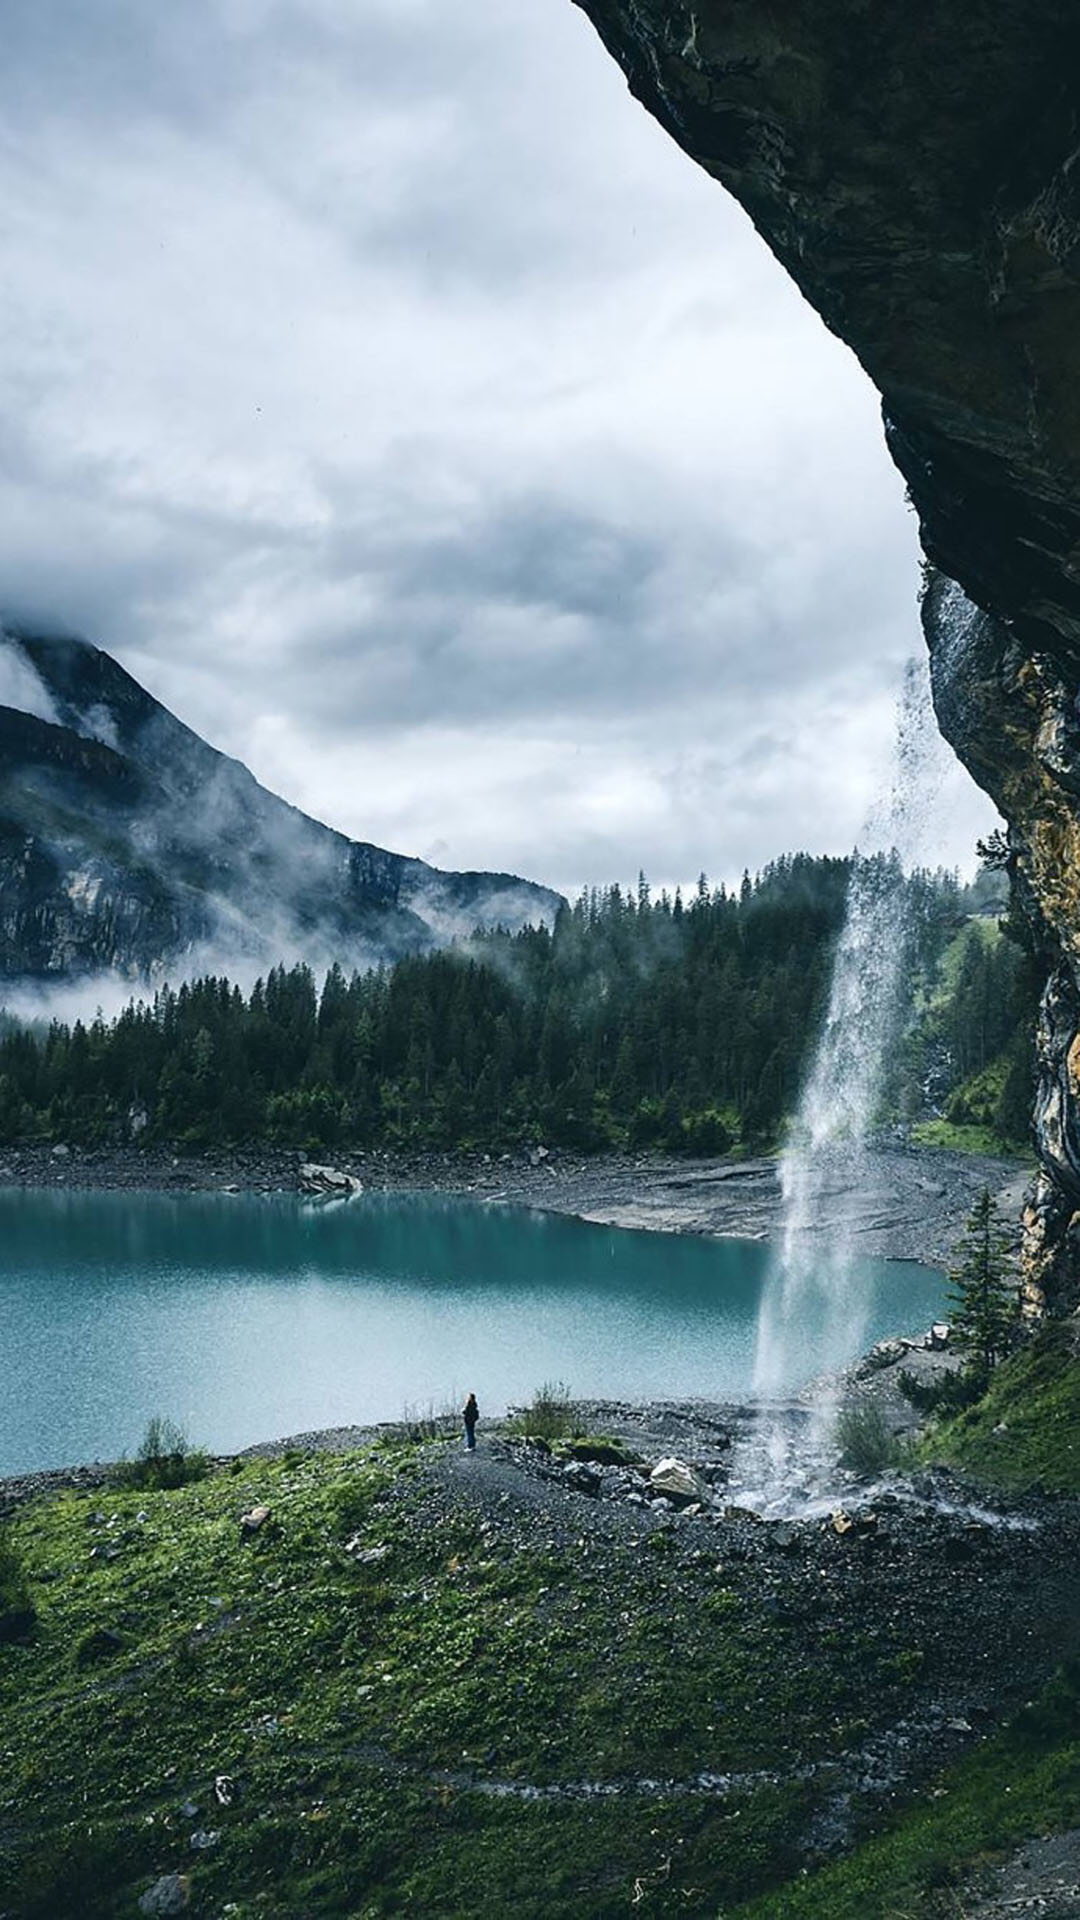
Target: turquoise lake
x=245, y=1318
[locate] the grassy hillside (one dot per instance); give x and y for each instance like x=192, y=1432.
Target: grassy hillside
x=1025, y=1432
x=399, y=1697
x=928, y=1862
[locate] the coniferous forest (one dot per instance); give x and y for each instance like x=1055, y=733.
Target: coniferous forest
x=634, y=1021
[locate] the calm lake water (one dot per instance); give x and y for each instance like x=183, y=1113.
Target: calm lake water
x=245, y=1318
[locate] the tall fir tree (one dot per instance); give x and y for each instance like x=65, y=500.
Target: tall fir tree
x=983, y=1290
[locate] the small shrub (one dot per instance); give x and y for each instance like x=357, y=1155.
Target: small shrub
x=552, y=1415
x=350, y=1505
x=599, y=1449
x=706, y=1133
x=165, y=1459
x=949, y=1393
x=97, y=1644
x=865, y=1443
x=430, y=1422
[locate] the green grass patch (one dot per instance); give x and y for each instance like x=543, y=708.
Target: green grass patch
x=1025, y=1431
x=411, y=1703
x=1024, y=1781
x=352, y=1669
x=965, y=1139
x=17, y=1614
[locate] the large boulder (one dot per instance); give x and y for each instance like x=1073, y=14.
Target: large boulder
x=677, y=1482
x=331, y=1182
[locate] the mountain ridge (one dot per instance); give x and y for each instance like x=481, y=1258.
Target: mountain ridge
x=128, y=844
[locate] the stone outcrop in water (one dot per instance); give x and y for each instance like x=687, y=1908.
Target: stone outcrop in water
x=919, y=177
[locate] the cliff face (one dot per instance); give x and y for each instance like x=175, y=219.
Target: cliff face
x=129, y=845
x=918, y=174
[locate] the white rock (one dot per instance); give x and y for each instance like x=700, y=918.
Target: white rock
x=316, y=1179
x=678, y=1481
x=365, y=1556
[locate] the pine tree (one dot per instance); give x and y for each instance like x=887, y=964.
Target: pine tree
x=984, y=1295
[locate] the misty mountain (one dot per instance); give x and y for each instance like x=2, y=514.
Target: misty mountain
x=128, y=844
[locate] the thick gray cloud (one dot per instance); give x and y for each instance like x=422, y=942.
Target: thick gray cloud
x=391, y=396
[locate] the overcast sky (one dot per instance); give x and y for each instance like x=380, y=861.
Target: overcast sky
x=385, y=390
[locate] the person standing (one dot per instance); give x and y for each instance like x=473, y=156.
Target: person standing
x=470, y=1415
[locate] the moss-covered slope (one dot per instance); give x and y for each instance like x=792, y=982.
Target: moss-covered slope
x=441, y=1685
x=1025, y=1431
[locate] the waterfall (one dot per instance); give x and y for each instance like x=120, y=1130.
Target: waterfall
x=813, y=1281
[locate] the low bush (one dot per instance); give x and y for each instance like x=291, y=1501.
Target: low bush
x=430, y=1421
x=98, y=1644
x=866, y=1444
x=706, y=1133
x=165, y=1459
x=599, y=1449
x=949, y=1393
x=552, y=1415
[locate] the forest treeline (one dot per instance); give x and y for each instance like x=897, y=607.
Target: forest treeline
x=633, y=1021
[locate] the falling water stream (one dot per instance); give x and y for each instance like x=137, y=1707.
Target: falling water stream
x=814, y=1278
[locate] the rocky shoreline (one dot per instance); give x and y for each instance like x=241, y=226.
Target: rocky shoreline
x=910, y=1208
x=706, y=1430
x=898, y=1203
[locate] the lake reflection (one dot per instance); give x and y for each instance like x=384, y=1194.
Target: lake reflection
x=245, y=1317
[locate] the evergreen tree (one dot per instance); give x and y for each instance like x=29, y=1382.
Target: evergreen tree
x=983, y=1292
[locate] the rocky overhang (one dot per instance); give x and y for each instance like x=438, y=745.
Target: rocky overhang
x=918, y=174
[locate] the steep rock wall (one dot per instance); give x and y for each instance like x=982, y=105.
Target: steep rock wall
x=918, y=174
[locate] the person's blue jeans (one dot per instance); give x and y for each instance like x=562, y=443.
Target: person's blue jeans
x=470, y=1438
